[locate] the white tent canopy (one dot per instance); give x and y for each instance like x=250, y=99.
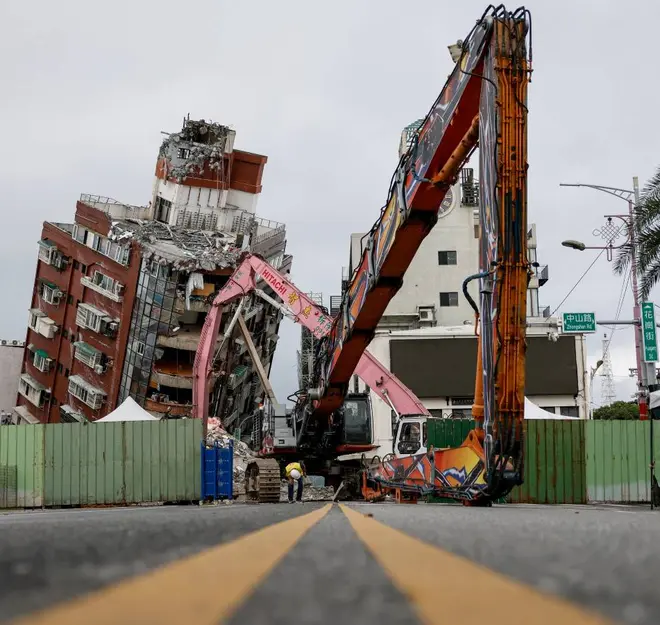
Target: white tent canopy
x=532, y=411
x=129, y=410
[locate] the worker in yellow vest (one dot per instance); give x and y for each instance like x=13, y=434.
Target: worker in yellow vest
x=295, y=471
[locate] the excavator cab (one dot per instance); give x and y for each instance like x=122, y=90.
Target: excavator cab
x=356, y=420
x=411, y=436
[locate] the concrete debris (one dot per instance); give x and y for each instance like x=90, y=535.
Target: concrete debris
x=242, y=453
x=199, y=145
x=310, y=492
x=178, y=247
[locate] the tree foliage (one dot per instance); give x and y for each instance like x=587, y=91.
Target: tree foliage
x=646, y=224
x=628, y=410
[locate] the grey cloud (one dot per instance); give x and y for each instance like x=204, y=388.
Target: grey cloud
x=323, y=90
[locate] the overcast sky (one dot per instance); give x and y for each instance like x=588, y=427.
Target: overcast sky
x=324, y=90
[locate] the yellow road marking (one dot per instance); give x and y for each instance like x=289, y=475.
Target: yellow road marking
x=203, y=589
x=444, y=588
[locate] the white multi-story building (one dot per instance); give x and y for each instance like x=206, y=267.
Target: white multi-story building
x=431, y=294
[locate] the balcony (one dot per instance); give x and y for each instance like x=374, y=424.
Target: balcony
x=105, y=286
x=41, y=324
x=114, y=209
x=186, y=338
x=69, y=415
x=270, y=240
x=167, y=407
x=87, y=393
x=37, y=394
x=49, y=254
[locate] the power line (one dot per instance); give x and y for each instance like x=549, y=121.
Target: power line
x=578, y=282
x=619, y=307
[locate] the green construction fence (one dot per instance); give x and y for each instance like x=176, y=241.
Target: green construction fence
x=555, y=461
x=96, y=464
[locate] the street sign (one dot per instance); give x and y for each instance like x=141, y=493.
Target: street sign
x=578, y=323
x=649, y=336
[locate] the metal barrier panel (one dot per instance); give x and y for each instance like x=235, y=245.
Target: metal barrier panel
x=217, y=471
x=554, y=458
x=121, y=463
x=22, y=464
x=618, y=458
x=554, y=463
x=162, y=461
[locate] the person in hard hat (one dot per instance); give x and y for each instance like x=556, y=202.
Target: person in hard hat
x=295, y=471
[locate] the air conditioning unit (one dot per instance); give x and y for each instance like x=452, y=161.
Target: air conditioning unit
x=426, y=314
x=100, y=369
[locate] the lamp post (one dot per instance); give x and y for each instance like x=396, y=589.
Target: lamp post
x=611, y=232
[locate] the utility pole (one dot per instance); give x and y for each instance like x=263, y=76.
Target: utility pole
x=610, y=232
x=607, y=393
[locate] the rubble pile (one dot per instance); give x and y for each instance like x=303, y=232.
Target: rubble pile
x=200, y=144
x=179, y=247
x=242, y=453
x=310, y=492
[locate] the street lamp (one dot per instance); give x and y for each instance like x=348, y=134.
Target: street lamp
x=592, y=374
x=576, y=245
x=611, y=232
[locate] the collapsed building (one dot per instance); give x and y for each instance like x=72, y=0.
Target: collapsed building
x=121, y=294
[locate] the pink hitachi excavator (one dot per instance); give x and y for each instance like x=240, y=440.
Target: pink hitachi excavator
x=350, y=430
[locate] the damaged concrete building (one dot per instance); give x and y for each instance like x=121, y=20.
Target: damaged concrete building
x=122, y=293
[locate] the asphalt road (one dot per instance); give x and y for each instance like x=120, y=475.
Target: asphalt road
x=606, y=559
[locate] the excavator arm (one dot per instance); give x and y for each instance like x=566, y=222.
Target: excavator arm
x=240, y=284
x=484, y=99
x=300, y=309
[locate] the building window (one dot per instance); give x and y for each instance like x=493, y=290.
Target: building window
x=449, y=299
x=105, y=282
x=33, y=320
x=476, y=231
x=34, y=392
x=94, y=319
x=76, y=264
x=41, y=361
x=88, y=355
x=183, y=153
x=60, y=368
x=85, y=392
x=105, y=285
x=163, y=208
x=40, y=323
x=79, y=234
x=447, y=258
x=569, y=411
x=50, y=292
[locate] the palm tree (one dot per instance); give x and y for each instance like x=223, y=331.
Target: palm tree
x=646, y=222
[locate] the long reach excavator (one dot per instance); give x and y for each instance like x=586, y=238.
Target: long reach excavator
x=484, y=104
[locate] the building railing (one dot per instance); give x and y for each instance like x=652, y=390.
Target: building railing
x=106, y=204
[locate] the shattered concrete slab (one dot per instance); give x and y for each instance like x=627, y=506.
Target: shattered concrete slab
x=180, y=248
x=199, y=145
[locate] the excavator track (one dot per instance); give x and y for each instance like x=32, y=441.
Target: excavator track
x=262, y=481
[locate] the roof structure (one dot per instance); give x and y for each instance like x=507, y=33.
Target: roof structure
x=179, y=247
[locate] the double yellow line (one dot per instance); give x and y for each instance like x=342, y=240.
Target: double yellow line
x=207, y=588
